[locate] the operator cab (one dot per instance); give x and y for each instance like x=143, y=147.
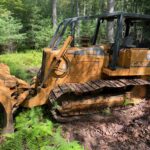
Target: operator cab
x=128, y=52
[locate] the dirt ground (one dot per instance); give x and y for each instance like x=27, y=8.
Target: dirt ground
x=125, y=128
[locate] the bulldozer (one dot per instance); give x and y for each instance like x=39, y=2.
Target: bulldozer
x=81, y=76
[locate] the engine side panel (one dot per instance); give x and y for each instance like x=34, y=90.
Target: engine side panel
x=132, y=62
x=134, y=57
x=84, y=68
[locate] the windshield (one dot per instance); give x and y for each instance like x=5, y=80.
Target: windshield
x=138, y=32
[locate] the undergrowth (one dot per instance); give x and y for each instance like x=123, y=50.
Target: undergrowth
x=33, y=132
x=106, y=111
x=20, y=62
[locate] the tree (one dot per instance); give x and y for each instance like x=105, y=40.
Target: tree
x=110, y=25
x=43, y=33
x=54, y=13
x=10, y=36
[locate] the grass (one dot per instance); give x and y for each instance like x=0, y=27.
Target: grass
x=20, y=62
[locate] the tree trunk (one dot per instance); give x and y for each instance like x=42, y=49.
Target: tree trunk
x=72, y=8
x=84, y=8
x=110, y=24
x=78, y=14
x=54, y=13
x=77, y=6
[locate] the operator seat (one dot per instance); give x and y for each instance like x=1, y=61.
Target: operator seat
x=128, y=42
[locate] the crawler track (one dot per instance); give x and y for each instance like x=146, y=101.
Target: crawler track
x=71, y=101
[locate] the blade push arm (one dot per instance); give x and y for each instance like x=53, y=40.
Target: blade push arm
x=57, y=59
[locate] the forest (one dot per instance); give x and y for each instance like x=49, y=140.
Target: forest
x=27, y=71
x=30, y=24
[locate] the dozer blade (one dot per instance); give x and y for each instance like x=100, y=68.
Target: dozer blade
x=73, y=100
x=13, y=92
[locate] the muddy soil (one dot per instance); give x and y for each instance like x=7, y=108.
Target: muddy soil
x=125, y=128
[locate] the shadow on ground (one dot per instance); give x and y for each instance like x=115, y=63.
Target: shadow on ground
x=126, y=128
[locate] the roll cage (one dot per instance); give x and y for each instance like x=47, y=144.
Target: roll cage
x=71, y=22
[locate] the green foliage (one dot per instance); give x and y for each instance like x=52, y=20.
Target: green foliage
x=36, y=18
x=106, y=111
x=44, y=33
x=33, y=132
x=132, y=101
x=61, y=144
x=10, y=34
x=126, y=102
x=18, y=71
x=20, y=62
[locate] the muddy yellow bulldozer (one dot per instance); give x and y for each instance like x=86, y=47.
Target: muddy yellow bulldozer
x=84, y=74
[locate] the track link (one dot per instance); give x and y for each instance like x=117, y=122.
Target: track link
x=72, y=100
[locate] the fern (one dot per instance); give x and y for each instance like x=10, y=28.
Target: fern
x=33, y=132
